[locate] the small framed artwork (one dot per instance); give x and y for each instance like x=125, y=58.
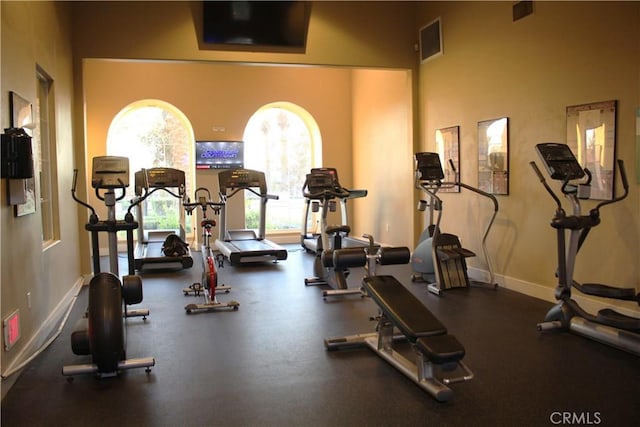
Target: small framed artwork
x=29, y=189
x=21, y=112
x=591, y=135
x=448, y=147
x=493, y=156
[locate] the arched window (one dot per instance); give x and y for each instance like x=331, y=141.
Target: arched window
x=154, y=133
x=282, y=140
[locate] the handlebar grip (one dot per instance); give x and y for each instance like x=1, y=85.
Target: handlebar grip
x=537, y=171
x=75, y=180
x=623, y=174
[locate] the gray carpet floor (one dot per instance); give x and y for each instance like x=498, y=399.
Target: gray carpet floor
x=265, y=364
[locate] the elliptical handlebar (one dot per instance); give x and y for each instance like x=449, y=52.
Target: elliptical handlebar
x=625, y=186
x=543, y=181
x=73, y=194
x=487, y=229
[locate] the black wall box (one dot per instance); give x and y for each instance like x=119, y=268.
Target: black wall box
x=16, y=156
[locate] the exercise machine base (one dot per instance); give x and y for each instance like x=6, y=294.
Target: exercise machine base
x=92, y=368
x=214, y=305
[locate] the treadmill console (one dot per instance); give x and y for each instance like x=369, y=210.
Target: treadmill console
x=429, y=166
x=559, y=161
x=321, y=179
x=110, y=172
x=241, y=179
x=159, y=178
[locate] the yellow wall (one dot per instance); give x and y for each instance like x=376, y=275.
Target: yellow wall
x=351, y=33
x=359, y=34
x=530, y=70
x=38, y=34
x=382, y=161
x=227, y=95
x=565, y=54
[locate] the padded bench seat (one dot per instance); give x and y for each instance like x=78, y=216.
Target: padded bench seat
x=414, y=320
x=403, y=308
x=441, y=349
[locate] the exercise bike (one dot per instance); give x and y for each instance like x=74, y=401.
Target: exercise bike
x=209, y=285
x=439, y=258
x=321, y=189
x=101, y=333
x=607, y=326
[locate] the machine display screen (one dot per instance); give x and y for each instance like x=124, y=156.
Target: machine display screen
x=219, y=154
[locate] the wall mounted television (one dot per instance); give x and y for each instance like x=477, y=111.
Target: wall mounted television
x=256, y=25
x=219, y=154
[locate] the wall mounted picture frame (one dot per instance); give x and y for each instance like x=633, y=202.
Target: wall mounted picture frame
x=591, y=135
x=448, y=147
x=21, y=112
x=22, y=191
x=493, y=156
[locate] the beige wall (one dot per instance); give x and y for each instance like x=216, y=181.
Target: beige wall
x=530, y=71
x=226, y=95
x=383, y=152
x=38, y=34
x=351, y=33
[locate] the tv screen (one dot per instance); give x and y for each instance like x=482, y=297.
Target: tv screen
x=256, y=23
x=219, y=154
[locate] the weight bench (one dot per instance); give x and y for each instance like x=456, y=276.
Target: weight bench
x=437, y=354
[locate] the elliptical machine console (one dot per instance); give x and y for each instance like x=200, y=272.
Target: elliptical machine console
x=101, y=333
x=607, y=326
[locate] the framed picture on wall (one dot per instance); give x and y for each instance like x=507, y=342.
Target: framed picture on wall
x=493, y=156
x=448, y=147
x=591, y=135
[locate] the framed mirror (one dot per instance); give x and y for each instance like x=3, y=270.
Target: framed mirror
x=448, y=147
x=493, y=156
x=591, y=135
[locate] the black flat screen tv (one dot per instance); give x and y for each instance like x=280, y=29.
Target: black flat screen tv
x=219, y=154
x=255, y=24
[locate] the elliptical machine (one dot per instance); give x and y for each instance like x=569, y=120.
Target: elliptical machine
x=209, y=284
x=607, y=326
x=439, y=258
x=101, y=333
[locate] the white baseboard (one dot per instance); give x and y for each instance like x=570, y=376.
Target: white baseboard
x=588, y=303
x=49, y=327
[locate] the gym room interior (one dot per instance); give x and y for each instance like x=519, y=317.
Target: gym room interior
x=376, y=104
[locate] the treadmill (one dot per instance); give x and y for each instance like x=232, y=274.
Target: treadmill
x=245, y=246
x=321, y=191
x=148, y=251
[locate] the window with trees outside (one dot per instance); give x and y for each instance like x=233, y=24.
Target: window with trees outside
x=154, y=133
x=282, y=140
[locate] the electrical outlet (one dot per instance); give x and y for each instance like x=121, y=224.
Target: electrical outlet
x=29, y=300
